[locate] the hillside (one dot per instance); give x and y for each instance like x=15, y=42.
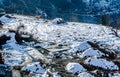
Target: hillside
x=43, y=48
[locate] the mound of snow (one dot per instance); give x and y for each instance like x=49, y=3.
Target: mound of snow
x=34, y=68
x=58, y=21
x=85, y=74
x=5, y=19
x=80, y=48
x=75, y=68
x=90, y=53
x=102, y=63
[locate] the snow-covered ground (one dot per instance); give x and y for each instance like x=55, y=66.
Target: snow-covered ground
x=102, y=63
x=67, y=34
x=53, y=35
x=34, y=68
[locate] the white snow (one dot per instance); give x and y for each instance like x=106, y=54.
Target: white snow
x=91, y=52
x=15, y=54
x=85, y=74
x=5, y=19
x=81, y=47
x=57, y=20
x=116, y=75
x=25, y=36
x=13, y=58
x=75, y=68
x=69, y=34
x=34, y=68
x=108, y=65
x=55, y=74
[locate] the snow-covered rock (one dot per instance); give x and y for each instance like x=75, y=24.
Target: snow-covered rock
x=85, y=74
x=81, y=47
x=75, y=68
x=35, y=68
x=91, y=52
x=102, y=63
x=5, y=19
x=58, y=21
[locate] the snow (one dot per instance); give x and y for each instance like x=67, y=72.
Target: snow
x=116, y=75
x=75, y=68
x=12, y=51
x=91, y=52
x=11, y=44
x=15, y=54
x=72, y=35
x=58, y=21
x=5, y=19
x=81, y=47
x=34, y=68
x=85, y=74
x=45, y=74
x=55, y=74
x=107, y=65
x=13, y=58
x=25, y=36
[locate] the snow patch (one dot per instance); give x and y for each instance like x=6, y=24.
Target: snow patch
x=75, y=68
x=90, y=53
x=81, y=47
x=35, y=68
x=5, y=19
x=85, y=74
x=107, y=65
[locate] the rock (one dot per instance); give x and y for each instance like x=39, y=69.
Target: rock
x=3, y=39
x=1, y=24
x=1, y=58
